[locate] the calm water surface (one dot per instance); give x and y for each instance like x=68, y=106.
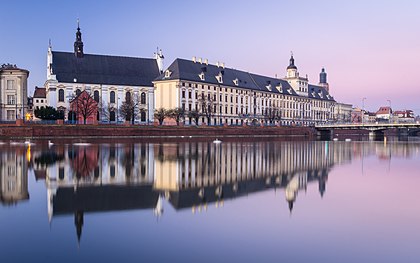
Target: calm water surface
x=206, y=202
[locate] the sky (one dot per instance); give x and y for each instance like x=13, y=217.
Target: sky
x=370, y=49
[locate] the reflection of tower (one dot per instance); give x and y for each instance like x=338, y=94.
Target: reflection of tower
x=158, y=210
x=298, y=182
x=13, y=177
x=322, y=183
x=78, y=222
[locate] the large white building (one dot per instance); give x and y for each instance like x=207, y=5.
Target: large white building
x=13, y=92
x=230, y=96
x=109, y=79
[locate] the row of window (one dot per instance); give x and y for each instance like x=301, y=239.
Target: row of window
x=96, y=96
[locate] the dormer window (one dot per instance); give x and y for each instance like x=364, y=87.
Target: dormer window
x=168, y=74
x=201, y=75
x=289, y=90
x=236, y=82
x=220, y=77
x=321, y=95
x=269, y=87
x=279, y=88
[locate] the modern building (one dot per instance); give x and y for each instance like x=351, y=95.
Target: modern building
x=107, y=78
x=13, y=92
x=229, y=96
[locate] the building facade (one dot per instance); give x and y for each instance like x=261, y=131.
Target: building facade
x=234, y=97
x=13, y=92
x=106, y=78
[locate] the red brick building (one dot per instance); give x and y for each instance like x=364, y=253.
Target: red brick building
x=84, y=109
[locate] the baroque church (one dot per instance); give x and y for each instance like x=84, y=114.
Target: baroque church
x=109, y=79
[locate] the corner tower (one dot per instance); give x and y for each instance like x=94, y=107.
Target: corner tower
x=292, y=69
x=323, y=80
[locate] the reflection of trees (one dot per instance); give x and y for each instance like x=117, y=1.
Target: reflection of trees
x=48, y=158
x=84, y=160
x=127, y=159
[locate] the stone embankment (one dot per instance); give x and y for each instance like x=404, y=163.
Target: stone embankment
x=120, y=131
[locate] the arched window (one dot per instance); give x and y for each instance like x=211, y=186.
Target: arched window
x=96, y=95
x=112, y=116
x=61, y=95
x=143, y=98
x=127, y=96
x=142, y=115
x=78, y=92
x=112, y=97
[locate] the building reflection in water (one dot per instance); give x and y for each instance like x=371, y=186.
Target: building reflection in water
x=13, y=176
x=114, y=177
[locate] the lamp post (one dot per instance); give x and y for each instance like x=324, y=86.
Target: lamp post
x=390, y=111
x=363, y=111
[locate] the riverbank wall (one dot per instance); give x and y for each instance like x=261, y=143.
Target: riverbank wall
x=121, y=131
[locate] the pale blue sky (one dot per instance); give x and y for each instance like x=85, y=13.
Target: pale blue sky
x=369, y=48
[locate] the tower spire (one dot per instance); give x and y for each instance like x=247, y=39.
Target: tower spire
x=78, y=44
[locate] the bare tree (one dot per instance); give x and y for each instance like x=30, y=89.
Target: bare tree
x=195, y=115
x=272, y=114
x=130, y=107
x=161, y=114
x=105, y=109
x=208, y=106
x=84, y=105
x=177, y=114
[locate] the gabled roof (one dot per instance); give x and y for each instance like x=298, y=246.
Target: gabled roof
x=384, y=110
x=188, y=70
x=104, y=69
x=40, y=93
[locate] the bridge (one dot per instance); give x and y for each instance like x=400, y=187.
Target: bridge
x=375, y=129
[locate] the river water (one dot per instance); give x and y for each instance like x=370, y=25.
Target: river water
x=269, y=201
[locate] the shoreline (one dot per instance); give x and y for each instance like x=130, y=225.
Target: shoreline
x=49, y=131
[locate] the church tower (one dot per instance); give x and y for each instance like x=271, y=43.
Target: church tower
x=78, y=44
x=323, y=80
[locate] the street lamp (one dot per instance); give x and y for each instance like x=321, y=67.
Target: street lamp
x=363, y=111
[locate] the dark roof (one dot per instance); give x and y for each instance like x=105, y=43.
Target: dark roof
x=103, y=69
x=40, y=93
x=104, y=198
x=188, y=70
x=318, y=92
x=8, y=67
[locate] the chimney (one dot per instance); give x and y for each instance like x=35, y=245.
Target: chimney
x=223, y=65
x=217, y=64
x=199, y=60
x=194, y=59
x=206, y=61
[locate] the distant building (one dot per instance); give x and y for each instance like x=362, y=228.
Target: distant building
x=107, y=78
x=39, y=98
x=384, y=113
x=13, y=92
x=343, y=112
x=404, y=116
